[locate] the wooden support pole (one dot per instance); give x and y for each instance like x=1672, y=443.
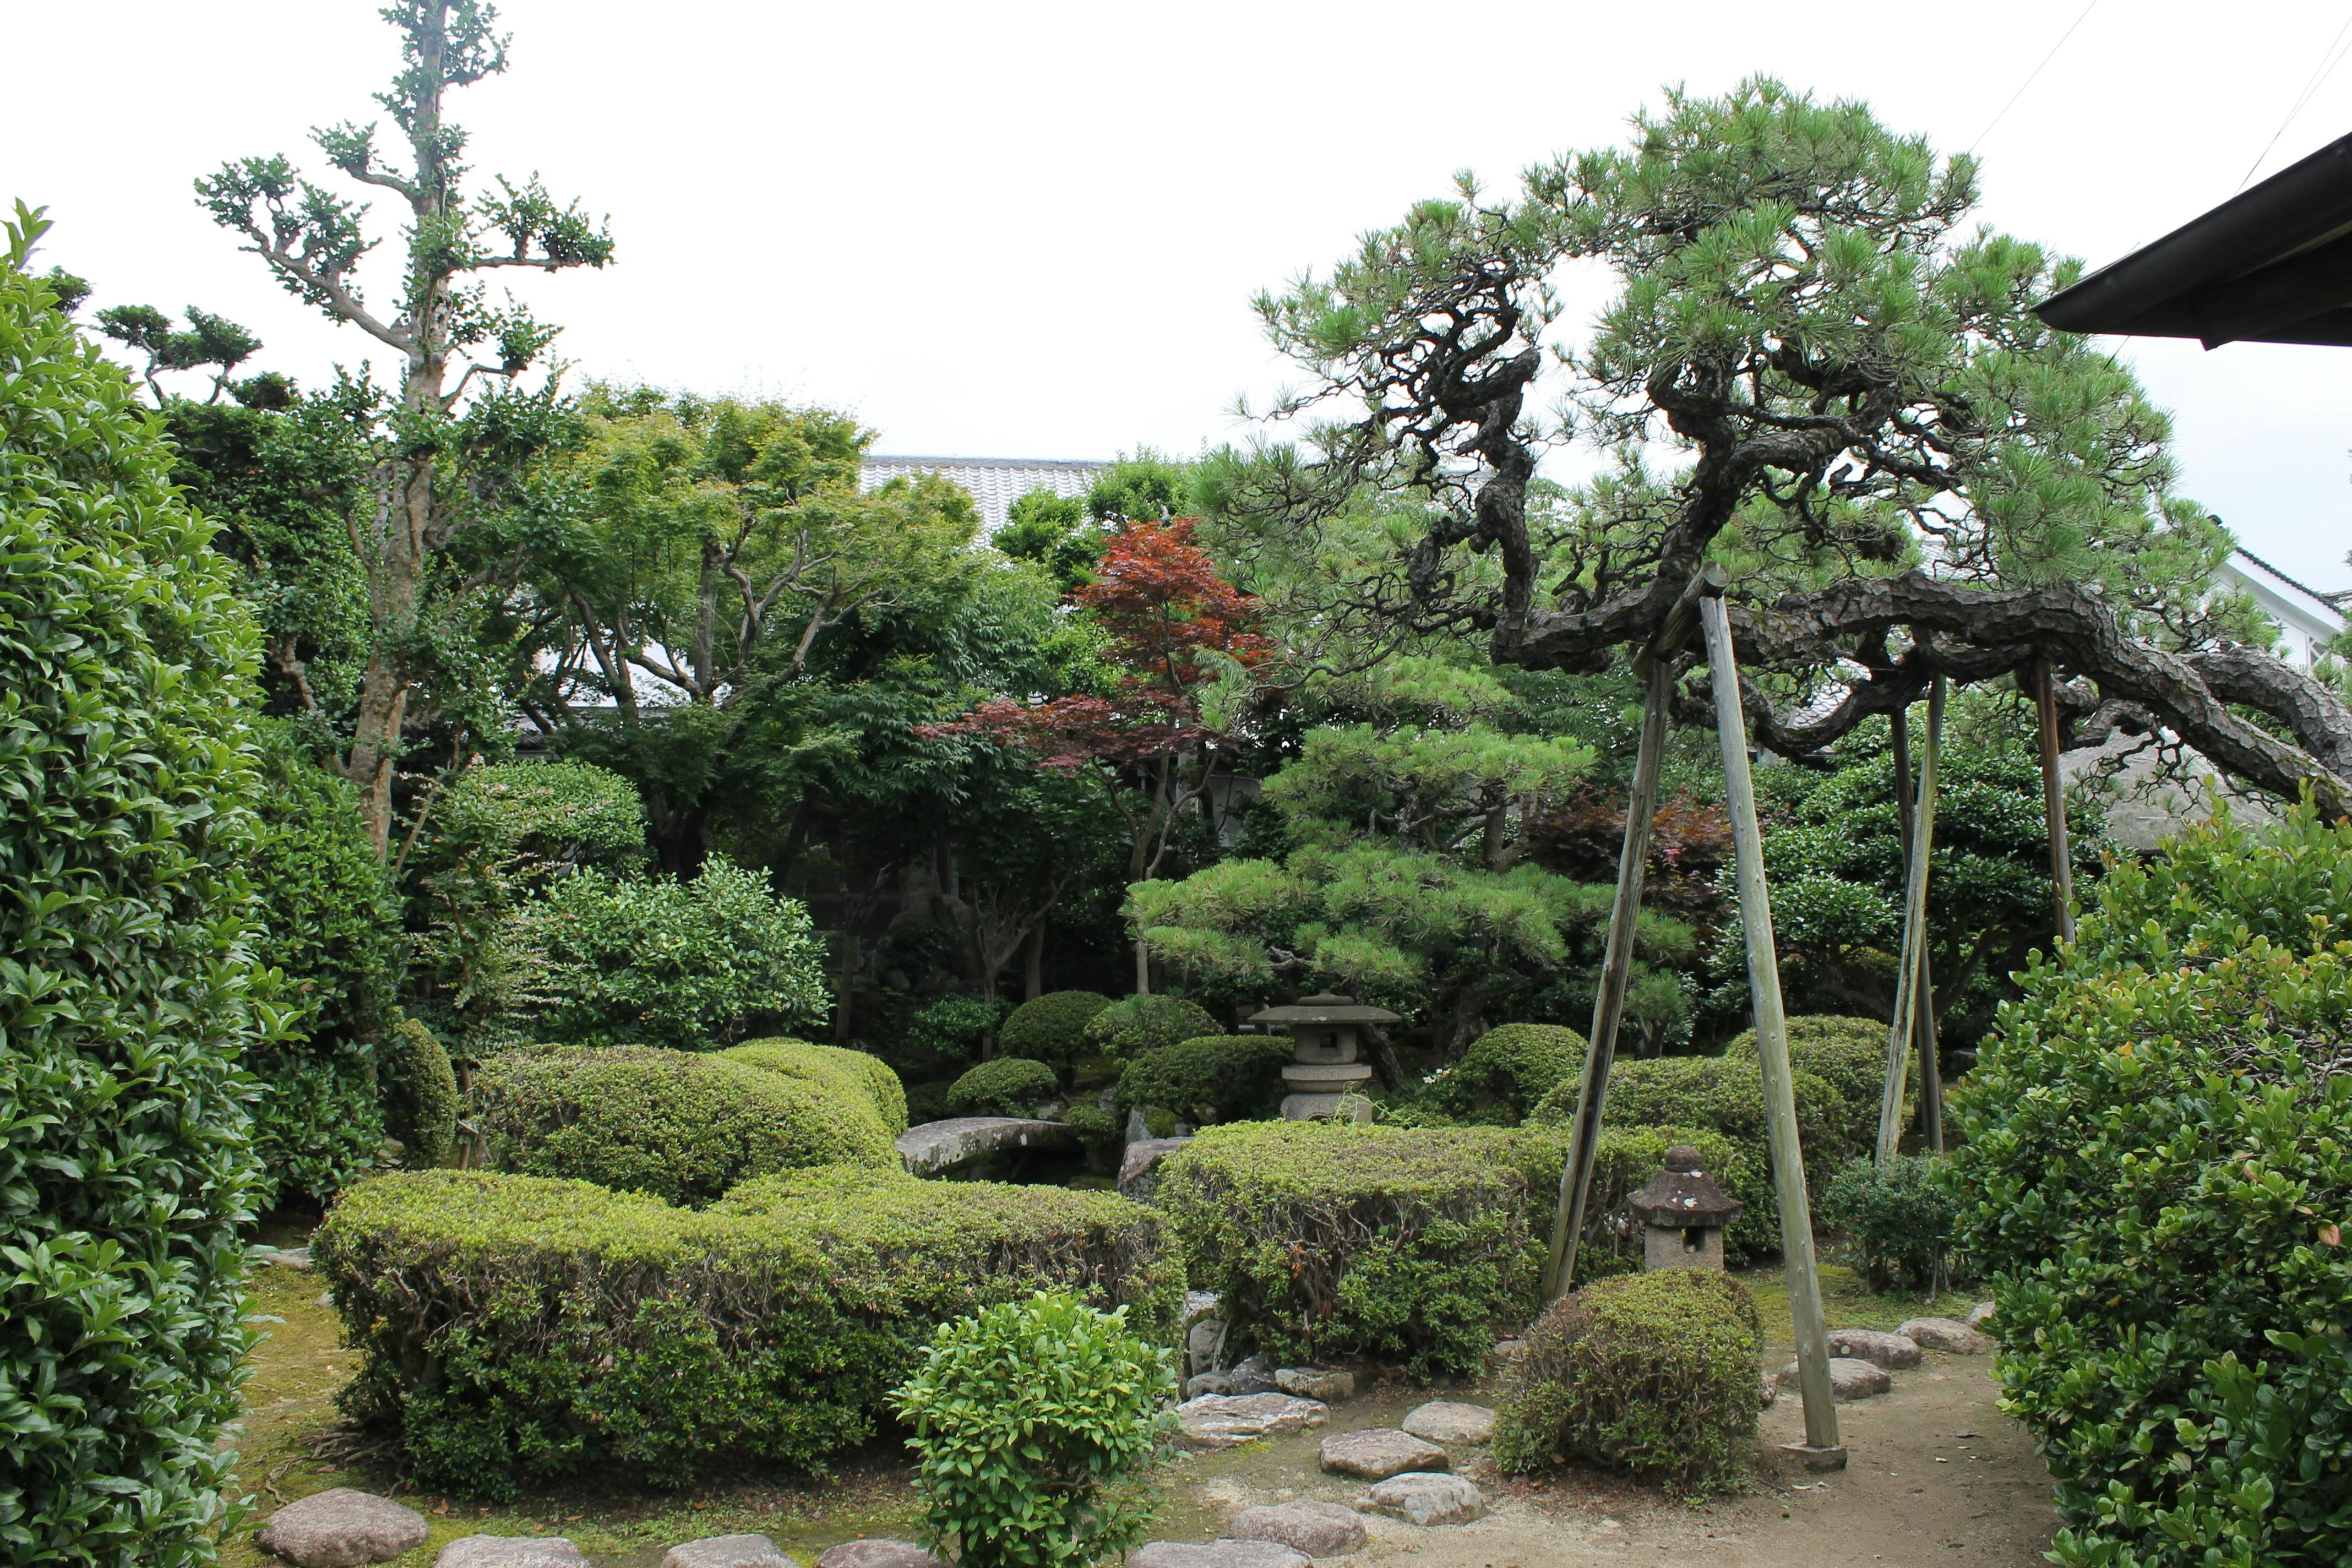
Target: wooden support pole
x=2054, y=800
x=1910, y=999
x=1820, y=1448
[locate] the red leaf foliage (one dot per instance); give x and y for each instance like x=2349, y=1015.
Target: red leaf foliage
x=1689, y=841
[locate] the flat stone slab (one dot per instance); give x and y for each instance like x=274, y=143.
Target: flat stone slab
x=937, y=1146
x=1979, y=1314
x=1849, y=1378
x=1379, y=1452
x=1226, y=1420
x=1317, y=1528
x=1218, y=1555
x=1877, y=1346
x=879, y=1553
x=511, y=1551
x=1142, y=1156
x=341, y=1528
x=1315, y=1383
x=1450, y=1422
x=1945, y=1334
x=282, y=1256
x=1420, y=1498
x=728, y=1552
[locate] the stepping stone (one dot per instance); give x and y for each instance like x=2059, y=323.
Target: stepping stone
x=1877, y=1346
x=936, y=1146
x=876, y=1554
x=1448, y=1422
x=1979, y=1314
x=1945, y=1334
x=283, y=1256
x=1141, y=1156
x=1849, y=1378
x=1218, y=1555
x=1378, y=1453
x=511, y=1551
x=1419, y=1498
x=341, y=1528
x=728, y=1552
x=1314, y=1383
x=1225, y=1421
x=1317, y=1528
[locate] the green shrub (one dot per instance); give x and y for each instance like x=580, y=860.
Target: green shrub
x=1127, y=1028
x=1898, y=1216
x=1051, y=1028
x=125, y=825
x=1009, y=1086
x=855, y=1075
x=928, y=1102
x=1022, y=1414
x=420, y=1091
x=1220, y=1077
x=511, y=1328
x=1507, y=1071
x=682, y=1126
x=1333, y=1239
x=2156, y=1175
x=1626, y=1162
x=1850, y=1055
x=957, y=1028
x=1655, y=1373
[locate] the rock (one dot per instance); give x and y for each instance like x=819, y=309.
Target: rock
x=935, y=1146
x=1199, y=1304
x=1314, y=1383
x=341, y=1529
x=1979, y=1314
x=1317, y=1528
x=1255, y=1375
x=279, y=1256
x=1205, y=1344
x=1769, y=1392
x=1378, y=1453
x=879, y=1554
x=1505, y=1357
x=1446, y=1421
x=1137, y=1128
x=1218, y=1555
x=1419, y=1498
x=1875, y=1346
x=511, y=1551
x=1945, y=1334
x=1204, y=1383
x=1849, y=1378
x=1225, y=1421
x=1142, y=1156
x=728, y=1552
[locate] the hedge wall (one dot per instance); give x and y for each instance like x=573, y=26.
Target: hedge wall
x=512, y=1328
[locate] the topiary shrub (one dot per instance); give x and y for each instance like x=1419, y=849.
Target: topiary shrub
x=1655, y=1373
x=419, y=1088
x=1051, y=1028
x=682, y=1126
x=1850, y=1055
x=514, y=1329
x=1127, y=1028
x=2156, y=1175
x=125, y=826
x=1220, y=1077
x=1022, y=1415
x=1898, y=1216
x=855, y=1075
x=1009, y=1086
x=1507, y=1071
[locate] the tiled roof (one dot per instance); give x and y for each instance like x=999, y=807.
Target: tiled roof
x=995, y=483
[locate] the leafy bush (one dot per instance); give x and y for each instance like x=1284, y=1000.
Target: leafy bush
x=1850, y=1055
x=125, y=1171
x=955, y=1028
x=1127, y=1028
x=420, y=1091
x=854, y=1075
x=511, y=1327
x=1507, y=1071
x=1009, y=1086
x=1899, y=1217
x=1051, y=1028
x=2157, y=1176
x=1022, y=1414
x=1655, y=1373
x=1220, y=1077
x=1626, y=1162
x=679, y=1125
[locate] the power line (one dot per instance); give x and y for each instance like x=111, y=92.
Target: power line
x=2329, y=58
x=2037, y=71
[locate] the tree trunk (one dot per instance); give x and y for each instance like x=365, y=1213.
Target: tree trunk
x=1032, y=963
x=680, y=837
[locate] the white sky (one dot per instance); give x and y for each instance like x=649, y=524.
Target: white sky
x=1032, y=230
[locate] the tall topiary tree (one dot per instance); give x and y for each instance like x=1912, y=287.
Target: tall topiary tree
x=125, y=1169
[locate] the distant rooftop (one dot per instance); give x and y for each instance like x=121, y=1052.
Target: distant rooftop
x=995, y=483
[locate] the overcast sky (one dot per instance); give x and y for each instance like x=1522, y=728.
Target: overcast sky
x=1033, y=230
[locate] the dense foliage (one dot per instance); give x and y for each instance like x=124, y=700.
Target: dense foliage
x=1898, y=1217
x=1507, y=1071
x=419, y=1088
x=1218, y=1078
x=1051, y=1028
x=853, y=1076
x=1134, y=1025
x=1007, y=1086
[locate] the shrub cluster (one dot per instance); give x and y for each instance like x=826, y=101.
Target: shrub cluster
x=1219, y=1077
x=1655, y=1373
x=1009, y=1086
x=1128, y=1027
x=2158, y=1176
x=1051, y=1029
x=419, y=1088
x=1507, y=1071
x=1850, y=1055
x=857, y=1075
x=1900, y=1217
x=682, y=1126
x=511, y=1327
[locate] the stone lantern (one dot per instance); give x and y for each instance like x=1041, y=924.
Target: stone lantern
x=1324, y=1069
x=1683, y=1214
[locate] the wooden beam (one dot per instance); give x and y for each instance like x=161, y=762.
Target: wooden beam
x=1820, y=1448
x=1903, y=1030
x=2053, y=801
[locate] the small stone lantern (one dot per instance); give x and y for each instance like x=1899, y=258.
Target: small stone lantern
x=1683, y=1214
x=1324, y=1069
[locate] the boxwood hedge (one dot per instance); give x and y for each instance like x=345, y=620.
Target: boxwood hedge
x=1508, y=1070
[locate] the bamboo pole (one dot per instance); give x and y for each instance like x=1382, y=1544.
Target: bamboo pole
x=1820, y=1449
x=2054, y=800
x=1903, y=1031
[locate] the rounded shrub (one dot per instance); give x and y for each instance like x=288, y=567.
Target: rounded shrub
x=1508, y=1070
x=125, y=829
x=682, y=1126
x=1219, y=1078
x=1850, y=1055
x=1051, y=1028
x=957, y=1028
x=1898, y=1216
x=1626, y=1161
x=856, y=1075
x=420, y=1091
x=1009, y=1086
x=1725, y=1094
x=1654, y=1374
x=1127, y=1028
x=1023, y=1414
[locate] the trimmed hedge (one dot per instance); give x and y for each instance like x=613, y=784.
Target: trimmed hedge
x=1624, y=1164
x=1051, y=1028
x=855, y=1075
x=1507, y=1071
x=1655, y=1373
x=680, y=1125
x=1218, y=1078
x=1127, y=1028
x=512, y=1328
x=419, y=1091
x=1850, y=1055
x=1009, y=1086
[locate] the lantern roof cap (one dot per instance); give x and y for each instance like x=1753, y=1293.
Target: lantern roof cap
x=1682, y=1195
x=1326, y=1008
